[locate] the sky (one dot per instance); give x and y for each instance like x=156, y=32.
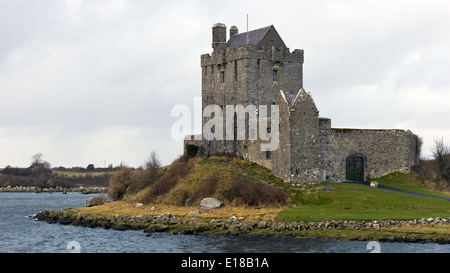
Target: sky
x=94, y=82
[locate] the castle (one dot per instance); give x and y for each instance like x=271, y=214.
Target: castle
x=257, y=68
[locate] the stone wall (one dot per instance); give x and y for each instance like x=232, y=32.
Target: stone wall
x=383, y=151
x=281, y=158
x=305, y=140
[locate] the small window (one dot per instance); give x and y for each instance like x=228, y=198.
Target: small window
x=222, y=77
x=275, y=75
x=268, y=154
x=235, y=70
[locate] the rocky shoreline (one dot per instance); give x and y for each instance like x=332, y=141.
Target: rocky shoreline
x=85, y=190
x=234, y=226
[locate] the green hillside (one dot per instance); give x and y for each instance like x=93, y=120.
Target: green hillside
x=240, y=183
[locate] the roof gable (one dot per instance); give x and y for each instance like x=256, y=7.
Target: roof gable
x=303, y=99
x=266, y=36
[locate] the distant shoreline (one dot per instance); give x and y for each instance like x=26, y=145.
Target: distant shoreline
x=85, y=190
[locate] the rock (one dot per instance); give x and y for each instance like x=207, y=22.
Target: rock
x=161, y=221
x=174, y=221
x=374, y=184
x=233, y=230
x=138, y=205
x=156, y=228
x=96, y=201
x=194, y=212
x=152, y=208
x=165, y=215
x=262, y=225
x=232, y=219
x=161, y=228
x=443, y=240
x=210, y=203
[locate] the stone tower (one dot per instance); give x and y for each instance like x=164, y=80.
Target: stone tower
x=249, y=68
x=256, y=68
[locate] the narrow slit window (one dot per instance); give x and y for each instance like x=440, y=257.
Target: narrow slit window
x=222, y=77
x=275, y=75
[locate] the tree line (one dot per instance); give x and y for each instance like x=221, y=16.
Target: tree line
x=40, y=174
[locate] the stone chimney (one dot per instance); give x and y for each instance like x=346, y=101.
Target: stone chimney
x=233, y=31
x=219, y=36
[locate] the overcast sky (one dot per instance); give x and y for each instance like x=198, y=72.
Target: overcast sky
x=95, y=81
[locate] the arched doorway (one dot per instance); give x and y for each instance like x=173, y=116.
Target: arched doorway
x=354, y=168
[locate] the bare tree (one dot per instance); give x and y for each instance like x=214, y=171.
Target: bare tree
x=38, y=161
x=441, y=154
x=153, y=161
x=147, y=175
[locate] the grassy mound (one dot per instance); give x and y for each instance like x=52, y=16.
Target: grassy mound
x=190, y=179
x=240, y=183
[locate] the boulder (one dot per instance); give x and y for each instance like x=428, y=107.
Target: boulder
x=374, y=184
x=96, y=201
x=262, y=225
x=210, y=203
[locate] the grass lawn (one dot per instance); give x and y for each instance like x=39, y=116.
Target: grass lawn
x=407, y=182
x=360, y=202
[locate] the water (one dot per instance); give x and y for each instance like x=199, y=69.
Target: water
x=20, y=233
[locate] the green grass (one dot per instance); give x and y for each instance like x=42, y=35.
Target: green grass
x=359, y=214
x=258, y=172
x=408, y=182
x=360, y=202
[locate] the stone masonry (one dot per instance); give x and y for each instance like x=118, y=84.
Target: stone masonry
x=257, y=68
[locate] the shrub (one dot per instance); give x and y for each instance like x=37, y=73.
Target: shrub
x=208, y=188
x=250, y=193
x=17, y=171
x=120, y=182
x=147, y=175
x=177, y=170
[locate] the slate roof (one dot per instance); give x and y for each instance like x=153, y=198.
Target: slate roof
x=254, y=37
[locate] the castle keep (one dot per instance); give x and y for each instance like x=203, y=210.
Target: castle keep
x=257, y=68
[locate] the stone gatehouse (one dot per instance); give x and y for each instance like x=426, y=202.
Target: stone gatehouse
x=257, y=68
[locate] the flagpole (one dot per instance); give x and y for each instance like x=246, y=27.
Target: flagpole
x=247, y=28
